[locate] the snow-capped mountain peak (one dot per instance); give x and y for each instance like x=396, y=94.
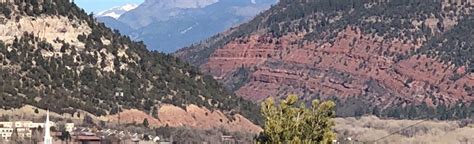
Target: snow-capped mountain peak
x=129, y=7
x=116, y=12
x=180, y=4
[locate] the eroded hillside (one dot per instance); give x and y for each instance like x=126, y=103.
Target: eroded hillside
x=403, y=57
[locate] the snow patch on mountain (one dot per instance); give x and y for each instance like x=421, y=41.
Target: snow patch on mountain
x=189, y=28
x=182, y=4
x=129, y=7
x=116, y=12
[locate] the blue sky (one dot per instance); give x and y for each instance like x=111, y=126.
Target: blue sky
x=100, y=5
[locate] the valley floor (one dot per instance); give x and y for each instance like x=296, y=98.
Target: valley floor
x=374, y=130
x=367, y=129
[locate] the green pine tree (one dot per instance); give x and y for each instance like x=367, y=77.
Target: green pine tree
x=290, y=123
x=145, y=122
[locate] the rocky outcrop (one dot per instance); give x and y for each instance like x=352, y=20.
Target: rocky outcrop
x=49, y=28
x=344, y=68
x=357, y=53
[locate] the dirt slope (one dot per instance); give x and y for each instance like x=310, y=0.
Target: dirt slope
x=193, y=116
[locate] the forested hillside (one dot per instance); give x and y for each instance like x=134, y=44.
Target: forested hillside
x=55, y=56
x=392, y=58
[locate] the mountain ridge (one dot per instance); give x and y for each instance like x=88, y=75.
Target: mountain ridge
x=369, y=56
x=172, y=27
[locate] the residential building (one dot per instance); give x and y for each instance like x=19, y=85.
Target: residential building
x=24, y=129
x=69, y=127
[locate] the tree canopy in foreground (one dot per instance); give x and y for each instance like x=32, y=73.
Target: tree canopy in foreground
x=291, y=122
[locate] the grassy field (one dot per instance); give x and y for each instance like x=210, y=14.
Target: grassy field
x=371, y=129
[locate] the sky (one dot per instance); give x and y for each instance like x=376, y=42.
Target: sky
x=101, y=5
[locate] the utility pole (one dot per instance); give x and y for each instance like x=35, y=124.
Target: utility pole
x=119, y=94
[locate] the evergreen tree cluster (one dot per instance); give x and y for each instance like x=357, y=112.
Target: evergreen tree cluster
x=44, y=7
x=322, y=20
x=291, y=122
x=455, y=46
x=355, y=107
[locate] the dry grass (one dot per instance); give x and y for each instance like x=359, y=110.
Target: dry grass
x=367, y=129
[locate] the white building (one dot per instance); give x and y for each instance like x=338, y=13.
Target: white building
x=24, y=128
x=69, y=127
x=7, y=133
x=24, y=124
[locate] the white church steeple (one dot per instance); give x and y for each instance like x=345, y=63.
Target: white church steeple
x=47, y=127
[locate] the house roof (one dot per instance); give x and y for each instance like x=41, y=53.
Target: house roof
x=86, y=138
